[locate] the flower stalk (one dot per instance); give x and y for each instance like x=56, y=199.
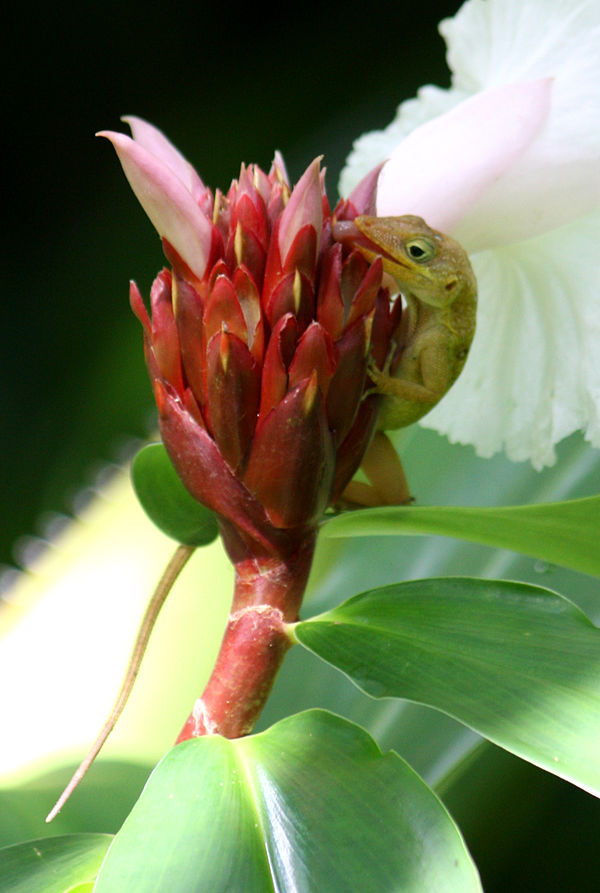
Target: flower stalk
x=267, y=595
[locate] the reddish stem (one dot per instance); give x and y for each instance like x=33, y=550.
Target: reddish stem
x=267, y=596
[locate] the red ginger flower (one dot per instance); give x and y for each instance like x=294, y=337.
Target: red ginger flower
x=257, y=349
x=259, y=338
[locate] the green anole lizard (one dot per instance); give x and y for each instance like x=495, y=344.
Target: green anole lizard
x=434, y=275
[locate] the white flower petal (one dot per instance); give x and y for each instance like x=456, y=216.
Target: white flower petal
x=444, y=167
x=490, y=43
x=166, y=200
x=493, y=42
x=155, y=141
x=534, y=198
x=372, y=148
x=533, y=373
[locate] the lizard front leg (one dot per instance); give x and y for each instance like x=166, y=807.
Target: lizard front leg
x=406, y=401
x=421, y=379
x=400, y=388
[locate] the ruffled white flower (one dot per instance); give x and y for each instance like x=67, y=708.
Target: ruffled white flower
x=508, y=160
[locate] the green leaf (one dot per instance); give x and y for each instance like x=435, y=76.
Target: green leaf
x=517, y=663
x=52, y=864
x=565, y=533
x=166, y=501
x=310, y=805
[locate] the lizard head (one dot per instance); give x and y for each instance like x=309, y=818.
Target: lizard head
x=424, y=262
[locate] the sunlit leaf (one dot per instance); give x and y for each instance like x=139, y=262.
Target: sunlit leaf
x=310, y=805
x=565, y=533
x=517, y=663
x=166, y=501
x=52, y=864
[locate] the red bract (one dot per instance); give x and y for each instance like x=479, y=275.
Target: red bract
x=259, y=367
x=257, y=347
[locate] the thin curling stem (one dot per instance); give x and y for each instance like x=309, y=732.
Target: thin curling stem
x=171, y=572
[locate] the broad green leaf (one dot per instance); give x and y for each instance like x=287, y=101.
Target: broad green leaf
x=166, y=501
x=517, y=663
x=439, y=473
x=52, y=864
x=565, y=533
x=310, y=805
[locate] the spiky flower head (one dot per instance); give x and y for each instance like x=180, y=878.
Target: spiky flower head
x=259, y=337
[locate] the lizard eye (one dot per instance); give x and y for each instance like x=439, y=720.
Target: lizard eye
x=421, y=250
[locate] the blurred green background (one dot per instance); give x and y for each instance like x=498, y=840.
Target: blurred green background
x=226, y=86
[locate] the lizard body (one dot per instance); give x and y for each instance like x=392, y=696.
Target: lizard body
x=433, y=273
